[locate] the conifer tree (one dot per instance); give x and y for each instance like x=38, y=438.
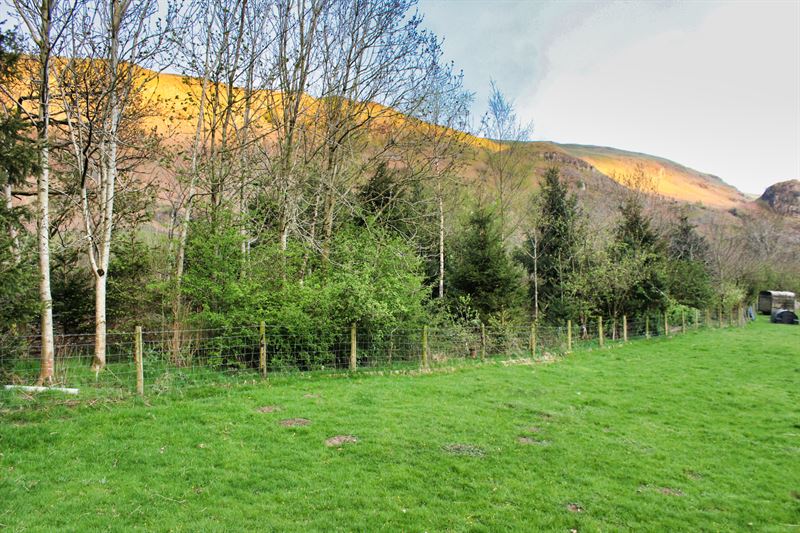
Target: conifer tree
x=482, y=269
x=636, y=238
x=555, y=258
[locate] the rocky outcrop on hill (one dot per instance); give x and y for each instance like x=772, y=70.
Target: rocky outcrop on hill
x=783, y=197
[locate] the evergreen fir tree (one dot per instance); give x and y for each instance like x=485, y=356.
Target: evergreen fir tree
x=635, y=237
x=559, y=235
x=482, y=269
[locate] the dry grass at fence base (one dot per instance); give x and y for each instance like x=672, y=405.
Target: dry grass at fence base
x=295, y=422
x=340, y=440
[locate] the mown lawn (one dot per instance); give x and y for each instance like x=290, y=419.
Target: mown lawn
x=696, y=432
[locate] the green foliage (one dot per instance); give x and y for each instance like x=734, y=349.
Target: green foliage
x=372, y=279
x=688, y=282
x=638, y=244
x=558, y=236
x=480, y=268
x=19, y=157
x=72, y=289
x=133, y=297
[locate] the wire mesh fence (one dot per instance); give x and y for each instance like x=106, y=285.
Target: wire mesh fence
x=156, y=361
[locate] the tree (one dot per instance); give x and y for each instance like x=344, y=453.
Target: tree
x=551, y=251
x=635, y=240
x=481, y=268
x=18, y=160
x=41, y=19
x=687, y=275
x=101, y=84
x=505, y=166
x=443, y=120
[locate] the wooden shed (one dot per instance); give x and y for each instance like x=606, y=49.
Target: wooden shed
x=769, y=301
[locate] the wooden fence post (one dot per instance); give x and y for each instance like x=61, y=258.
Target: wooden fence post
x=719, y=316
x=647, y=327
x=262, y=348
x=569, y=336
x=353, y=347
x=139, y=358
x=708, y=317
x=624, y=328
x=666, y=324
x=731, y=318
x=600, y=336
x=533, y=339
x=425, y=347
x=696, y=318
x=483, y=341
x=683, y=321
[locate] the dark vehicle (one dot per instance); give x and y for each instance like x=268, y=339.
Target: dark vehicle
x=769, y=301
x=784, y=316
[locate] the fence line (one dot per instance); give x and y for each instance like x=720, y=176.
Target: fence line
x=151, y=361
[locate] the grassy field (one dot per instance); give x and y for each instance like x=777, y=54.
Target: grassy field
x=696, y=432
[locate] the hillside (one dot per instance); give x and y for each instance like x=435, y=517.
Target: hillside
x=174, y=97
x=672, y=180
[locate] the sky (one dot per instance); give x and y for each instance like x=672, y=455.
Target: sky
x=711, y=85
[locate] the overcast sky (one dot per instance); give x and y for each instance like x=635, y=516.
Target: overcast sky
x=712, y=85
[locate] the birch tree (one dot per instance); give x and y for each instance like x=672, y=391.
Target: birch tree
x=111, y=43
x=44, y=21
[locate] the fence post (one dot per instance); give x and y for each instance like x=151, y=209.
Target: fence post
x=719, y=316
x=708, y=317
x=741, y=315
x=600, y=330
x=666, y=324
x=139, y=358
x=353, y=352
x=696, y=318
x=730, y=318
x=647, y=327
x=262, y=348
x=483, y=342
x=425, y=347
x=569, y=336
x=624, y=328
x=683, y=321
x=533, y=339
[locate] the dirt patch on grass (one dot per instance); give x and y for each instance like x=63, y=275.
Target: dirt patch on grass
x=533, y=429
x=533, y=442
x=269, y=409
x=574, y=508
x=340, y=440
x=669, y=491
x=465, y=449
x=312, y=395
x=295, y=422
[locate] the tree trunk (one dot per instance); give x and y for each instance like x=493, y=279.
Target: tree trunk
x=441, y=246
x=43, y=201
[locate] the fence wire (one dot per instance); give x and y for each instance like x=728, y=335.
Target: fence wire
x=172, y=359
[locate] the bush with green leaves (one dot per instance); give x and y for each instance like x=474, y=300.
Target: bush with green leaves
x=370, y=278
